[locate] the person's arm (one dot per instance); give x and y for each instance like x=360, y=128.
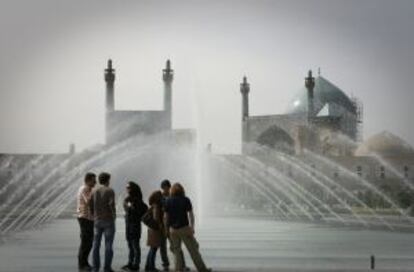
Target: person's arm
x=126, y=204
x=92, y=204
x=112, y=204
x=191, y=220
x=143, y=209
x=190, y=215
x=86, y=197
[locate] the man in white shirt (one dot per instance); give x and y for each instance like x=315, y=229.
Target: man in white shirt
x=85, y=220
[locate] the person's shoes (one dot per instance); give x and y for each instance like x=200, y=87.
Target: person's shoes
x=134, y=268
x=109, y=270
x=185, y=269
x=86, y=267
x=126, y=267
x=166, y=269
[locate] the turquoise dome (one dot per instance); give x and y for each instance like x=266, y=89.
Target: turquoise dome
x=324, y=93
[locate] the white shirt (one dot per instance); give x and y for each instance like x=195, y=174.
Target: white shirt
x=83, y=199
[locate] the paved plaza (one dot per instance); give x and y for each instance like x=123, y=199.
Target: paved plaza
x=229, y=245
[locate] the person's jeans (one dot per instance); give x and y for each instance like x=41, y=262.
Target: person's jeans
x=152, y=253
x=107, y=228
x=86, y=237
x=185, y=235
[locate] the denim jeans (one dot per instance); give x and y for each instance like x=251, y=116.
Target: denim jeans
x=107, y=228
x=152, y=253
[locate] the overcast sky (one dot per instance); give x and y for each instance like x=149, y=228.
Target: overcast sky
x=52, y=56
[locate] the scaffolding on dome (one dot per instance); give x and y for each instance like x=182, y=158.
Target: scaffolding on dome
x=359, y=118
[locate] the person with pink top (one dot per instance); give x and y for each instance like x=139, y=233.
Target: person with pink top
x=85, y=220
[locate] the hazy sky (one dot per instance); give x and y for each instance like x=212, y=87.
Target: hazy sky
x=52, y=56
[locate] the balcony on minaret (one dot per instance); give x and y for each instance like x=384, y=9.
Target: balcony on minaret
x=244, y=86
x=109, y=72
x=168, y=73
x=245, y=89
x=310, y=81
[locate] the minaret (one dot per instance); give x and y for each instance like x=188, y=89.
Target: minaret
x=245, y=89
x=109, y=79
x=167, y=76
x=310, y=85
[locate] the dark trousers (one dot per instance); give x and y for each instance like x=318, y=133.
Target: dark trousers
x=152, y=253
x=134, y=257
x=133, y=237
x=86, y=236
x=164, y=253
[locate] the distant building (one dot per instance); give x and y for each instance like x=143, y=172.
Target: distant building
x=121, y=125
x=322, y=119
x=320, y=113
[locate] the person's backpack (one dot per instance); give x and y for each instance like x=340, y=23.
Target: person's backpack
x=149, y=221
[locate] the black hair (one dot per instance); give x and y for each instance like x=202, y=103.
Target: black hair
x=135, y=190
x=104, y=178
x=165, y=183
x=89, y=176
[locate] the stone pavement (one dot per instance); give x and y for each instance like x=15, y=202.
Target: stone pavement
x=228, y=245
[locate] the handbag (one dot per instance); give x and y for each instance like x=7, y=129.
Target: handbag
x=149, y=221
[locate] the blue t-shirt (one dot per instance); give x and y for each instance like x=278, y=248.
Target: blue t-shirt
x=177, y=208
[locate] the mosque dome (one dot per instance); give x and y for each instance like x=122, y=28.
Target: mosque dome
x=324, y=93
x=384, y=144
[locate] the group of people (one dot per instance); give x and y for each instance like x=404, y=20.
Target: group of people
x=169, y=218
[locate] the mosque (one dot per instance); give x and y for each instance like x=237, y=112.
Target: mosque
x=321, y=119
x=324, y=120
x=319, y=113
x=120, y=125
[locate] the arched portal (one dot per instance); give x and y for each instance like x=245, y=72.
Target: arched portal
x=277, y=138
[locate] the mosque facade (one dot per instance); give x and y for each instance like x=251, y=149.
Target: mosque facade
x=319, y=114
x=322, y=120
x=120, y=125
